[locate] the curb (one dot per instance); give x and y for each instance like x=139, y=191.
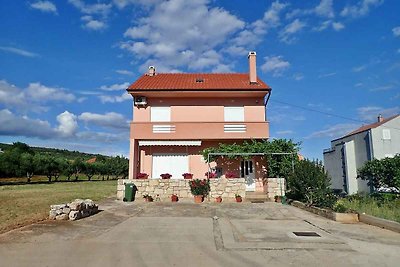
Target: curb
x=335, y=216
x=379, y=222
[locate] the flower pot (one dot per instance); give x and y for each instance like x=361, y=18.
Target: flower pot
x=218, y=199
x=238, y=199
x=278, y=199
x=174, y=198
x=188, y=176
x=198, y=199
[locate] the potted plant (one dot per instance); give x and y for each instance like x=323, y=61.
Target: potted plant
x=218, y=199
x=148, y=198
x=238, y=198
x=230, y=174
x=142, y=175
x=165, y=176
x=277, y=198
x=187, y=175
x=174, y=198
x=210, y=175
x=199, y=189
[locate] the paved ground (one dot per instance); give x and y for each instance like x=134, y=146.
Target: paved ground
x=186, y=234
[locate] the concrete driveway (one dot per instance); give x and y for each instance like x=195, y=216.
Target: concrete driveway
x=186, y=234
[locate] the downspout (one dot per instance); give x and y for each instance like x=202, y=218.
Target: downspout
x=371, y=155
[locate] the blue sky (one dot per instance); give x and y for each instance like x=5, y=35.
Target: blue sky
x=333, y=65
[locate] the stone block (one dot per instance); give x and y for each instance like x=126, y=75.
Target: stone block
x=74, y=215
x=62, y=217
x=52, y=214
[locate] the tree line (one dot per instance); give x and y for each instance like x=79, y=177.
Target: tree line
x=20, y=160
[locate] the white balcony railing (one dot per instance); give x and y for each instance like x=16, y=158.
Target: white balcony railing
x=163, y=128
x=234, y=128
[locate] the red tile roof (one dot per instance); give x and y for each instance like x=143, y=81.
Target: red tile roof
x=369, y=126
x=197, y=81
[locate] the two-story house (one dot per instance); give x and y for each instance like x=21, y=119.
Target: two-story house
x=349, y=153
x=177, y=115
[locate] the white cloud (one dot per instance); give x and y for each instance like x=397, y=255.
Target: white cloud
x=381, y=88
x=190, y=41
x=13, y=125
x=338, y=26
x=323, y=9
x=327, y=75
x=98, y=8
x=124, y=72
x=103, y=137
x=359, y=68
x=253, y=33
x=110, y=119
x=96, y=15
x=115, y=99
x=396, y=31
x=93, y=24
x=360, y=9
x=298, y=76
x=286, y=35
x=41, y=93
x=115, y=87
x=44, y=6
x=67, y=124
x=370, y=113
x=18, y=51
x=275, y=64
x=31, y=98
x=334, y=131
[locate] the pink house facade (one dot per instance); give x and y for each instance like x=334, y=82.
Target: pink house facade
x=177, y=115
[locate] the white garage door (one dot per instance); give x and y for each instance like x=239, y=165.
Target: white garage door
x=174, y=164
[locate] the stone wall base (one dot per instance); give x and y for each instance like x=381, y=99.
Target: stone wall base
x=164, y=188
x=275, y=187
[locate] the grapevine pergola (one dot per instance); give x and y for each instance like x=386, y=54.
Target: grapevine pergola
x=247, y=154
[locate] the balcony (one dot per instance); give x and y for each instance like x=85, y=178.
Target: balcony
x=199, y=130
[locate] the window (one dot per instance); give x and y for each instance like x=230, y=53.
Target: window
x=386, y=134
x=234, y=113
x=160, y=114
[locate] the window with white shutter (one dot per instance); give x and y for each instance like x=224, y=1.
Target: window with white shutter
x=386, y=134
x=234, y=113
x=160, y=114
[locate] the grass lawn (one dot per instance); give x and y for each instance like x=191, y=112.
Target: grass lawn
x=22, y=204
x=389, y=210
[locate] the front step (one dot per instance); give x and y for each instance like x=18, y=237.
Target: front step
x=257, y=197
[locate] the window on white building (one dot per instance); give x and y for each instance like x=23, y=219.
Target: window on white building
x=234, y=113
x=160, y=114
x=386, y=134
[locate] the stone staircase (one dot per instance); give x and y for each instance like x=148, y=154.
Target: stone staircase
x=257, y=197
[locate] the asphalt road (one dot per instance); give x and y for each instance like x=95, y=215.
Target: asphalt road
x=187, y=234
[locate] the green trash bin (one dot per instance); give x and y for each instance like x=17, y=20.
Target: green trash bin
x=129, y=192
x=283, y=200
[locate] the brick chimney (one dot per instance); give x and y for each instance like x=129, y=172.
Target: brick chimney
x=252, y=67
x=152, y=71
x=380, y=118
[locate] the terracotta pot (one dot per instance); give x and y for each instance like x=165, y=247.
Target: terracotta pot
x=238, y=199
x=218, y=199
x=188, y=176
x=198, y=199
x=174, y=198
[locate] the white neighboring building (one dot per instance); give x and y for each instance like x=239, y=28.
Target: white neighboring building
x=349, y=153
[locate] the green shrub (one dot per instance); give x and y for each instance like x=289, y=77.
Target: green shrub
x=339, y=206
x=310, y=184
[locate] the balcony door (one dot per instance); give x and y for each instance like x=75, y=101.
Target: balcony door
x=247, y=172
